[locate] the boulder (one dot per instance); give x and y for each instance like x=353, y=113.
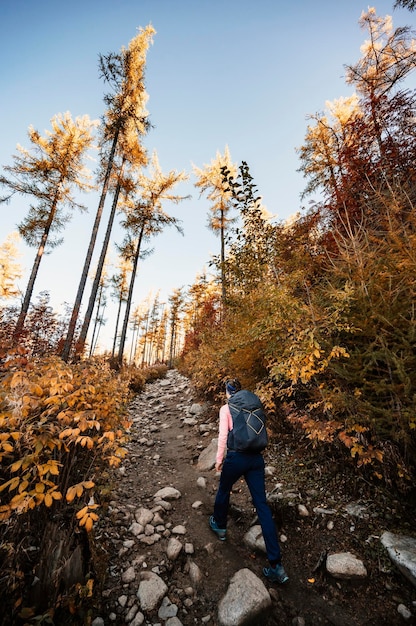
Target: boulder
x=245, y=601
x=402, y=551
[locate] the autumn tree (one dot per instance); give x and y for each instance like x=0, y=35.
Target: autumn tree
x=10, y=270
x=251, y=242
x=125, y=122
x=51, y=172
x=365, y=141
x=176, y=301
x=211, y=179
x=145, y=218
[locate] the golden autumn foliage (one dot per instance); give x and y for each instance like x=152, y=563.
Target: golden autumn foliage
x=319, y=317
x=52, y=414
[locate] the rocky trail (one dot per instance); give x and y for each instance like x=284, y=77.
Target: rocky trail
x=163, y=565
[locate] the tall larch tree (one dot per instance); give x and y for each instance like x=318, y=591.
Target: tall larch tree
x=125, y=121
x=211, y=179
x=51, y=172
x=145, y=218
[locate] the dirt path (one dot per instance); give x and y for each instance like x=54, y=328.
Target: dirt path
x=164, y=452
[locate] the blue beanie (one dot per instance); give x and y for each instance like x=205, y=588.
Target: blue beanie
x=232, y=386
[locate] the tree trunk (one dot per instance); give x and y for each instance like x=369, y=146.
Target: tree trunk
x=29, y=289
x=66, y=350
x=223, y=285
x=129, y=298
x=116, y=328
x=96, y=283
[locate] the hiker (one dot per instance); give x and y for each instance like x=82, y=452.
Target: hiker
x=250, y=464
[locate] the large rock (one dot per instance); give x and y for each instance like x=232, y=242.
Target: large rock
x=207, y=457
x=402, y=551
x=167, y=493
x=151, y=591
x=254, y=539
x=245, y=601
x=346, y=566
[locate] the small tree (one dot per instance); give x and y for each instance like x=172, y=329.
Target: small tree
x=212, y=180
x=51, y=172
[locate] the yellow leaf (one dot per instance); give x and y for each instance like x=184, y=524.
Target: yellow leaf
x=48, y=500
x=89, y=484
x=5, y=485
x=70, y=494
x=36, y=389
x=14, y=482
x=23, y=485
x=311, y=580
x=89, y=524
x=82, y=512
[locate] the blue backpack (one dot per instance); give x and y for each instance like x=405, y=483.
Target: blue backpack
x=249, y=432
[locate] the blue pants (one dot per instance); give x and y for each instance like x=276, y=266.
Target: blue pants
x=251, y=466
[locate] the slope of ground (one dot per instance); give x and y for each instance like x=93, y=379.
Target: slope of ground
x=164, y=451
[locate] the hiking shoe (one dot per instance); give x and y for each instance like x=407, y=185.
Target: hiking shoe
x=220, y=532
x=276, y=574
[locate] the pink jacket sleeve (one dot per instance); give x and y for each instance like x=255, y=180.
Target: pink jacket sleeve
x=226, y=424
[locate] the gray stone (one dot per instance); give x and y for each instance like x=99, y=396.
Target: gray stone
x=132, y=613
x=194, y=574
x=190, y=421
x=206, y=460
x=404, y=611
x=138, y=620
x=167, y=609
x=245, y=601
x=356, y=509
x=151, y=591
x=402, y=551
x=143, y=516
x=197, y=409
x=173, y=621
x=345, y=565
x=98, y=622
x=167, y=493
x=318, y=510
x=173, y=549
x=254, y=539
x=129, y=575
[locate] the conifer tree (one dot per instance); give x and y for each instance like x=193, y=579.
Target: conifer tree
x=50, y=172
x=125, y=121
x=176, y=302
x=145, y=218
x=211, y=179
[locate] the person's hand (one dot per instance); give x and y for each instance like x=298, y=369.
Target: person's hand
x=218, y=467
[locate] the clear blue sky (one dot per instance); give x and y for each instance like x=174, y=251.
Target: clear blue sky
x=220, y=72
